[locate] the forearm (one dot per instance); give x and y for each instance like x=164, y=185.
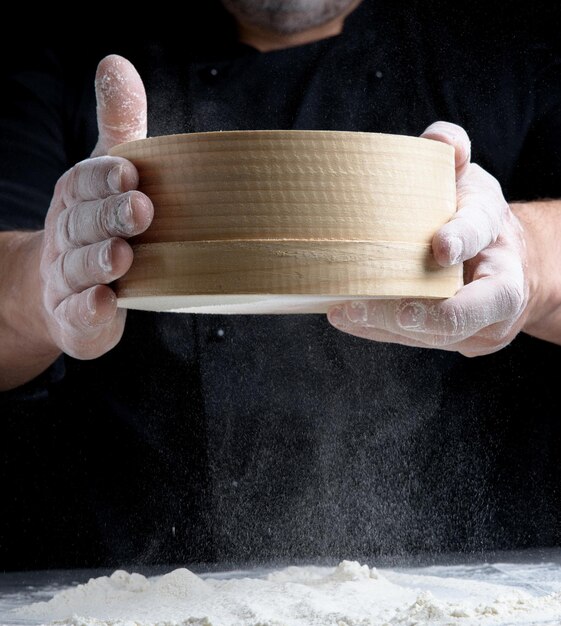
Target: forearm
x=26, y=348
x=541, y=222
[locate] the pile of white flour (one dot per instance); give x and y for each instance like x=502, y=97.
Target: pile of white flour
x=348, y=595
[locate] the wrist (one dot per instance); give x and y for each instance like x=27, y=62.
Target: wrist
x=541, y=225
x=27, y=347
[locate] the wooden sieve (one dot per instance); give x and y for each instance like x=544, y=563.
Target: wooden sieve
x=288, y=221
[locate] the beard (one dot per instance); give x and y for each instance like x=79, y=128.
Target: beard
x=287, y=17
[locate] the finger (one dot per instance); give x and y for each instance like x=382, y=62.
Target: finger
x=467, y=347
x=438, y=323
x=373, y=334
x=100, y=263
x=379, y=319
x=455, y=136
x=90, y=323
x=97, y=178
x=121, y=103
x=86, y=311
x=483, y=347
x=481, y=213
x=122, y=215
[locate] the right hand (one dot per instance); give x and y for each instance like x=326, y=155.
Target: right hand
x=95, y=208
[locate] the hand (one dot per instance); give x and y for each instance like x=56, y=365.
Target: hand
x=487, y=313
x=95, y=208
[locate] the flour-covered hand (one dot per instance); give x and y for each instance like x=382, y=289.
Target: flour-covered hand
x=485, y=314
x=95, y=208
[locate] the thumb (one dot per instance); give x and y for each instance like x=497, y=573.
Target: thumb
x=121, y=103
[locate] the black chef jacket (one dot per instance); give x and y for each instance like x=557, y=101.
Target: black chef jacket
x=221, y=438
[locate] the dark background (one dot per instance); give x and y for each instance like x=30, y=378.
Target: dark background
x=476, y=468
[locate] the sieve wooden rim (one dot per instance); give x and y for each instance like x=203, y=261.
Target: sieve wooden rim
x=204, y=272
x=316, y=213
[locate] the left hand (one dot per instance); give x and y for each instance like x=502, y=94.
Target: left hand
x=488, y=312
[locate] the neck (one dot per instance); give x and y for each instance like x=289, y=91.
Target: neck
x=267, y=41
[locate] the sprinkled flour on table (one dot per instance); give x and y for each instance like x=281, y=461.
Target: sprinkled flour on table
x=348, y=595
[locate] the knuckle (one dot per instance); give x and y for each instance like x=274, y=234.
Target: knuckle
x=93, y=177
x=494, y=185
x=99, y=182
x=73, y=185
x=477, y=171
x=62, y=275
x=62, y=318
x=91, y=183
x=491, y=218
x=505, y=211
x=50, y=288
x=61, y=185
x=96, y=178
x=509, y=298
x=514, y=297
x=453, y=320
x=103, y=216
x=68, y=184
x=98, y=225
x=95, y=261
x=84, y=177
x=63, y=229
x=468, y=230
x=463, y=193
x=449, y=317
x=479, y=221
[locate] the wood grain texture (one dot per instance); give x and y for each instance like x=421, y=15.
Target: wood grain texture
x=309, y=214
x=338, y=269
x=294, y=185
